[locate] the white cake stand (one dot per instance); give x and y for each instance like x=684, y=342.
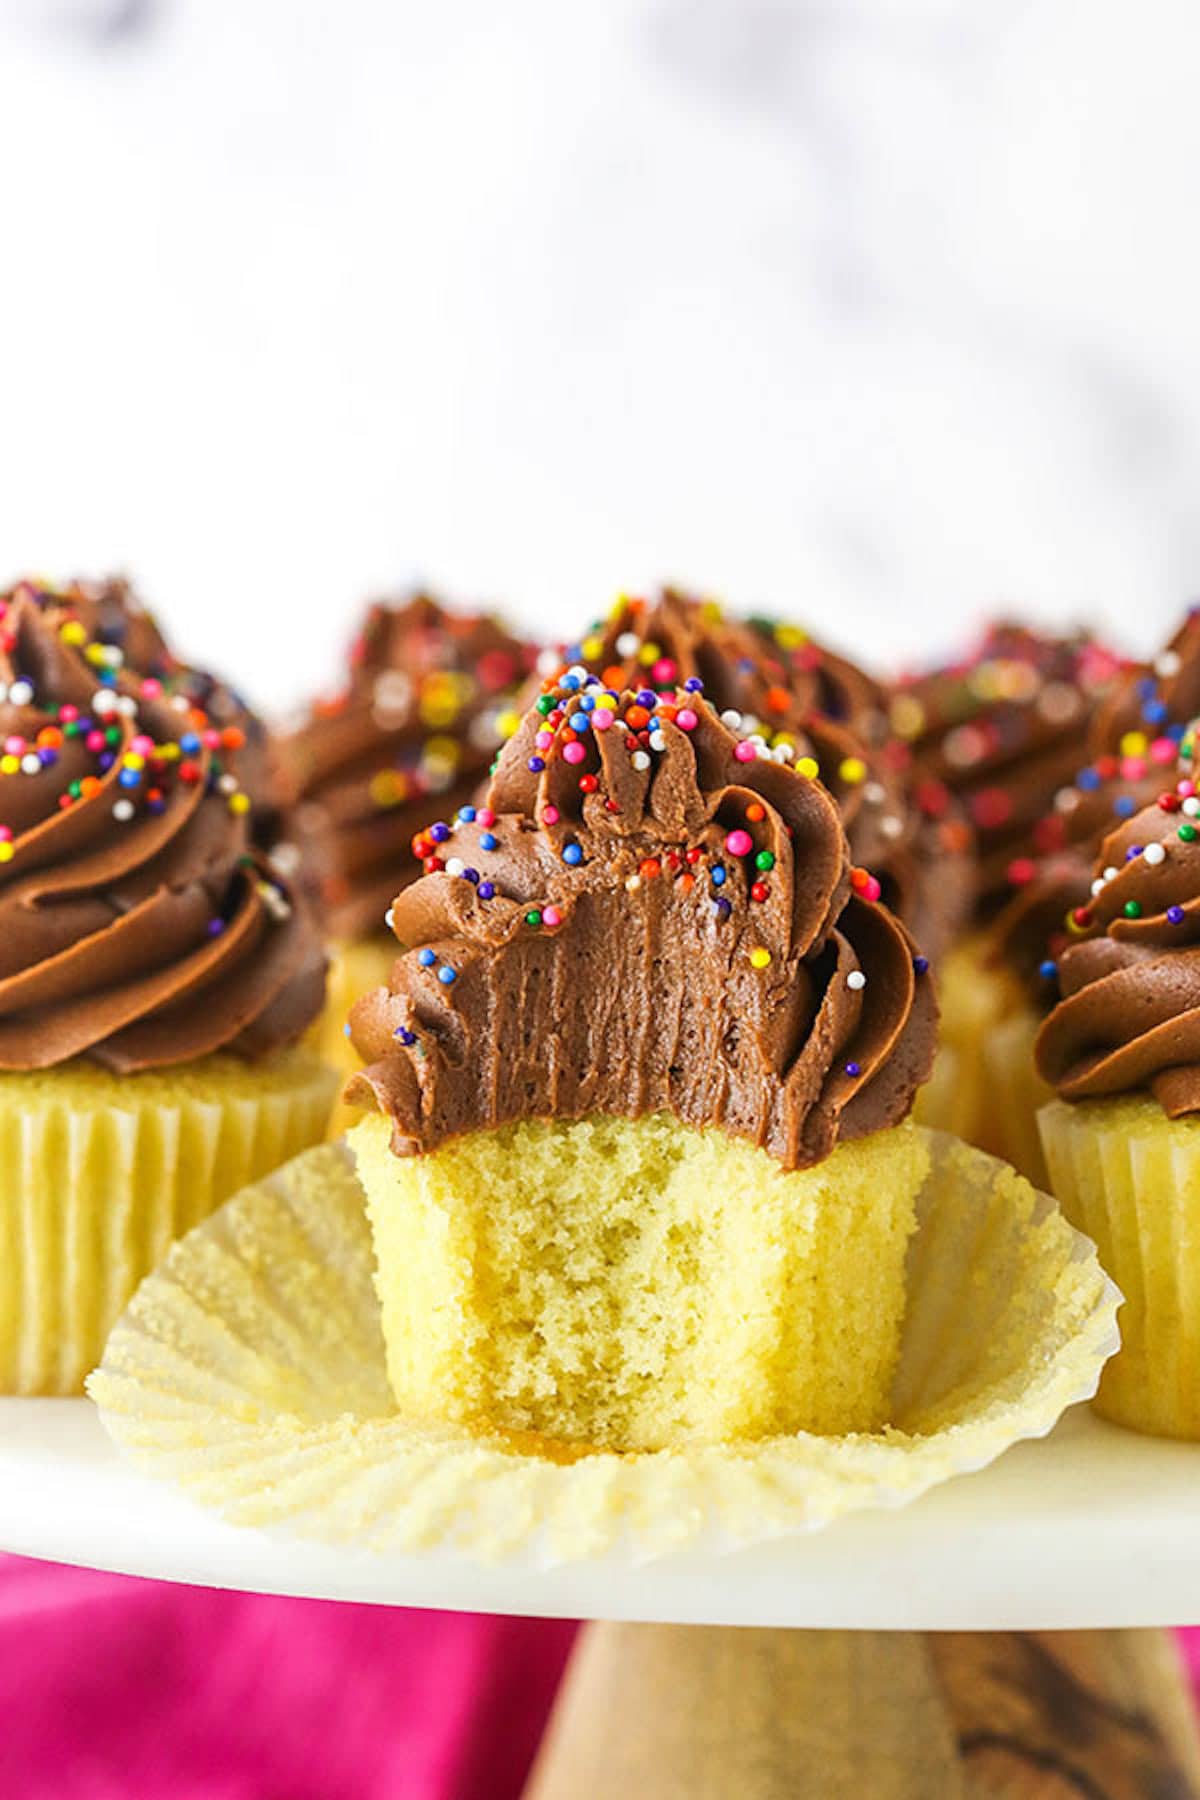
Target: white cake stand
x=833, y=1687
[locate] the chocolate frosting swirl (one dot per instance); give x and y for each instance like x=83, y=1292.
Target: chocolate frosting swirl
x=649, y=914
x=771, y=681
x=1129, y=1016
x=137, y=927
x=417, y=724
x=1003, y=730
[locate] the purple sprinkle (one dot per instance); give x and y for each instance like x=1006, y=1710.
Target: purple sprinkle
x=694, y=685
x=402, y=1033
x=48, y=757
x=1175, y=915
x=216, y=927
x=921, y=964
x=535, y=765
x=486, y=890
x=471, y=875
x=853, y=1069
x=106, y=760
x=1134, y=850
x=439, y=832
x=647, y=697
x=722, y=908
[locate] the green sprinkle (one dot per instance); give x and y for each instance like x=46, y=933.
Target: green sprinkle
x=74, y=790
x=113, y=734
x=1187, y=833
x=546, y=704
x=533, y=918
x=1133, y=909
x=72, y=729
x=764, y=860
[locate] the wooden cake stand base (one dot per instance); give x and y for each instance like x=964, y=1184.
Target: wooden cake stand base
x=671, y=1712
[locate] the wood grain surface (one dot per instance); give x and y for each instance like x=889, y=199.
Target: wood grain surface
x=652, y=1712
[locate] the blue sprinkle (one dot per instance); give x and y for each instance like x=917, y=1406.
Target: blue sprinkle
x=471, y=875
x=694, y=685
x=1088, y=780
x=486, y=890
x=571, y=683
x=1124, y=806
x=189, y=743
x=466, y=814
x=426, y=958
x=346, y=1030
x=535, y=765
x=487, y=840
x=1175, y=733
x=446, y=974
x=404, y=1035
x=588, y=701
x=1147, y=687
x=745, y=664
x=921, y=964
x=718, y=875
x=852, y=1068
x=1134, y=850
x=1154, y=712
x=572, y=853
x=439, y=832
x=130, y=778
x=1048, y=970
x=647, y=697
x=578, y=721
x=1175, y=915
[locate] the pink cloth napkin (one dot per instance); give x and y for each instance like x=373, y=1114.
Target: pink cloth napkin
x=112, y=1688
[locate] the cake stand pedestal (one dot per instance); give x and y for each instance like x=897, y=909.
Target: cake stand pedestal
x=674, y=1712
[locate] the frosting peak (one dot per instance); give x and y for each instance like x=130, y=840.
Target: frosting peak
x=649, y=914
x=136, y=925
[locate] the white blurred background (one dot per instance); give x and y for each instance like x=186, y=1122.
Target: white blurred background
x=879, y=312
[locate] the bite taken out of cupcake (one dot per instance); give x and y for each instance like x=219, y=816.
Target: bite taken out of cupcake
x=1121, y=1049
x=414, y=727
x=154, y=975
x=637, y=1159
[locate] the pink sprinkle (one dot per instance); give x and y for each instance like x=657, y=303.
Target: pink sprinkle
x=68, y=714
x=94, y=741
x=151, y=687
x=573, y=753
x=549, y=815
x=745, y=752
x=1163, y=750
x=602, y=718
x=485, y=816
x=1185, y=789
x=686, y=719
x=5, y=834
x=1132, y=768
x=14, y=745
x=664, y=669
x=142, y=745
x=739, y=843
x=212, y=739
x=871, y=889
x=551, y=916
x=544, y=739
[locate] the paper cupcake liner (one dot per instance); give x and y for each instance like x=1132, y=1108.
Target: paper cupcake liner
x=1015, y=1095
x=98, y=1173
x=250, y=1370
x=354, y=969
x=1130, y=1178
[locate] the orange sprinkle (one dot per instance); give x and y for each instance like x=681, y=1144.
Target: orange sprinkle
x=778, y=699
x=755, y=813
x=614, y=676
x=649, y=867
x=637, y=717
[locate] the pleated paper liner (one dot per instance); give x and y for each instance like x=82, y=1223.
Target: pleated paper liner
x=1016, y=1094
x=98, y=1173
x=354, y=969
x=250, y=1371
x=1130, y=1177
x=975, y=997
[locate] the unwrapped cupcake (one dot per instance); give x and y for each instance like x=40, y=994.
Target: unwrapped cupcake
x=154, y=976
x=415, y=726
x=1122, y=1051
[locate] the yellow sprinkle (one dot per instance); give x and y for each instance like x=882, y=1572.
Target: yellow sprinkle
x=649, y=653
x=73, y=633
x=9, y=765
x=95, y=654
x=6, y=852
x=618, y=606
x=133, y=759
x=1134, y=743
x=170, y=751
x=908, y=716
x=711, y=612
x=808, y=765
x=592, y=647
x=853, y=769
x=760, y=957
x=790, y=637
x=239, y=803
x=507, y=723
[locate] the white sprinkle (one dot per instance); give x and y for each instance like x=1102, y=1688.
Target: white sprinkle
x=123, y=811
x=750, y=724
x=285, y=858
x=628, y=644
x=658, y=743
x=104, y=701
x=1191, y=807
x=640, y=760
x=21, y=693
x=875, y=793
x=549, y=662
x=32, y=764
x=228, y=784
x=731, y=719
x=389, y=919
x=891, y=827
x=1098, y=885
x=455, y=865
x=782, y=753
x=1167, y=664
x=579, y=672
x=181, y=703
x=856, y=980
x=632, y=883
x=1154, y=854
x=1111, y=873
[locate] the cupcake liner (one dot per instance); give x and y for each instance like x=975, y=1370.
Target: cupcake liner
x=1015, y=1095
x=974, y=997
x=99, y=1173
x=1130, y=1178
x=250, y=1370
x=354, y=969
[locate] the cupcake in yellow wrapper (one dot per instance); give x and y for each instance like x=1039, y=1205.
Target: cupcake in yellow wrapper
x=99, y=1172
x=354, y=968
x=426, y=701
x=975, y=997
x=153, y=974
x=251, y=1371
x=1122, y=1141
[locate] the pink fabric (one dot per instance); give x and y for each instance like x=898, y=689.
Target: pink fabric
x=112, y=1687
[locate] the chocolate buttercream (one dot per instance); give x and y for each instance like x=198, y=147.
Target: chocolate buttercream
x=137, y=926
x=1003, y=730
x=416, y=725
x=649, y=914
x=1129, y=1016
x=772, y=682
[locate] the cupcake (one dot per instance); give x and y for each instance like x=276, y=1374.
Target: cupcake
x=1121, y=1050
x=415, y=726
x=154, y=976
x=775, y=685
x=637, y=1161
x=1135, y=739
x=998, y=732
